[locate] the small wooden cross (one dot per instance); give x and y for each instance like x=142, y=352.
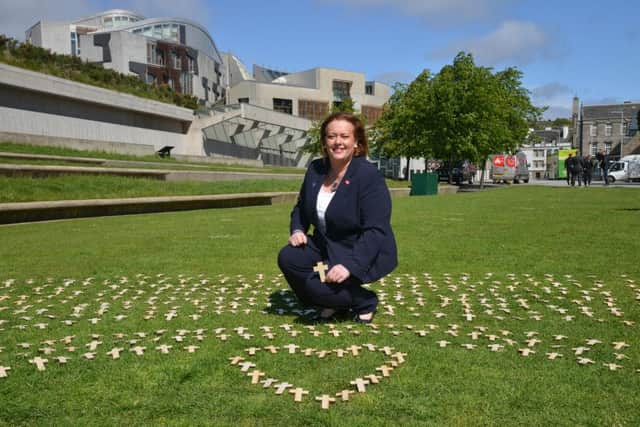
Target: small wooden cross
x=354, y=349
x=298, y=393
x=374, y=379
x=344, y=394
x=309, y=351
x=291, y=347
x=61, y=359
x=245, y=366
x=191, y=348
x=139, y=351
x=399, y=356
x=115, y=352
x=325, y=400
x=386, y=370
x=255, y=376
x=320, y=268
x=236, y=359
x=164, y=349
x=3, y=371
x=272, y=349
x=268, y=382
x=360, y=384
x=39, y=362
x=89, y=355
x=280, y=388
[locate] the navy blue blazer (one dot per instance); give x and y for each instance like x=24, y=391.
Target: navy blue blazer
x=359, y=234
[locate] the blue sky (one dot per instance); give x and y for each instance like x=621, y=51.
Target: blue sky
x=564, y=48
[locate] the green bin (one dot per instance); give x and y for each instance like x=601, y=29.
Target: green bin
x=424, y=184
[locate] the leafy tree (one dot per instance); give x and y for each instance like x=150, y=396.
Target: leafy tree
x=463, y=112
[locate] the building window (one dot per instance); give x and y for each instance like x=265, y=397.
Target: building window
x=607, y=147
x=283, y=105
x=74, y=43
x=150, y=79
x=607, y=129
x=154, y=55
x=312, y=110
x=176, y=63
x=186, y=81
x=368, y=89
x=593, y=131
x=593, y=149
x=341, y=90
x=243, y=100
x=108, y=22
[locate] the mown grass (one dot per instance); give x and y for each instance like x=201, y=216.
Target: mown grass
x=108, y=187
x=547, y=248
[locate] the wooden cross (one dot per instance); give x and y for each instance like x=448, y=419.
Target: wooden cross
x=399, y=356
x=280, y=388
x=344, y=394
x=354, y=349
x=320, y=268
x=268, y=382
x=61, y=359
x=191, y=348
x=272, y=349
x=374, y=379
x=298, y=393
x=291, y=347
x=164, y=349
x=325, y=400
x=245, y=366
x=39, y=362
x=252, y=350
x=3, y=371
x=309, y=351
x=360, y=384
x=255, y=376
x=340, y=352
x=385, y=370
x=89, y=355
x=236, y=359
x=115, y=352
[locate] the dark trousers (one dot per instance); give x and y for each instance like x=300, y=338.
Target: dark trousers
x=296, y=263
x=576, y=176
x=587, y=177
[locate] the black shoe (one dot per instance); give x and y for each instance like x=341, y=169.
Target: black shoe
x=334, y=317
x=359, y=319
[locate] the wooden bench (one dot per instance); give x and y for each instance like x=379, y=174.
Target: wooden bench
x=165, y=151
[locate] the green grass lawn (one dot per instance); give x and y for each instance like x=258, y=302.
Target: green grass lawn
x=521, y=262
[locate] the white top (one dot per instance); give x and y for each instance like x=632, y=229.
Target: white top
x=324, y=198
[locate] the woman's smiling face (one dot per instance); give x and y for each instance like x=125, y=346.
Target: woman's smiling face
x=340, y=143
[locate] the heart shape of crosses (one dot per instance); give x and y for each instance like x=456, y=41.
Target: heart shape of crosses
x=359, y=384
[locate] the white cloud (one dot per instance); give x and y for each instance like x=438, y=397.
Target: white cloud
x=513, y=43
x=438, y=12
x=550, y=91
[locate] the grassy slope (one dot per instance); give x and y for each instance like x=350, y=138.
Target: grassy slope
x=517, y=230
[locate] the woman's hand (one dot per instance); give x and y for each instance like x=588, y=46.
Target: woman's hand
x=337, y=274
x=298, y=238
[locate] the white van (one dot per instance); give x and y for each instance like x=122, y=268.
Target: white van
x=627, y=169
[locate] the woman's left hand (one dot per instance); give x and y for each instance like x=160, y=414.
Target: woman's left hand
x=337, y=274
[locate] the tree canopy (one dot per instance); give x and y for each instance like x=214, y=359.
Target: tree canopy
x=463, y=112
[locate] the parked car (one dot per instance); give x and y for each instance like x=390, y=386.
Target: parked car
x=462, y=171
x=627, y=169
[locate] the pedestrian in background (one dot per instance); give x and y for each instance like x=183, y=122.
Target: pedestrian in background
x=588, y=170
x=603, y=162
x=568, y=168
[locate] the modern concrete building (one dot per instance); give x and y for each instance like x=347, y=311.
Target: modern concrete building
x=308, y=94
x=612, y=129
x=173, y=51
